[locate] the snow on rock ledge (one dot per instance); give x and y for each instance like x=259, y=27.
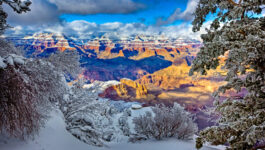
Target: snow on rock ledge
x=136, y=106
x=11, y=59
x=99, y=86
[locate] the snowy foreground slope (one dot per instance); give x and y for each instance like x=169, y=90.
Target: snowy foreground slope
x=54, y=136
x=83, y=106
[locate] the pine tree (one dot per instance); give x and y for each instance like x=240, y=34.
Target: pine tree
x=238, y=29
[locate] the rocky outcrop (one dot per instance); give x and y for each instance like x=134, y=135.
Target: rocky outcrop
x=169, y=85
x=127, y=89
x=140, y=89
x=169, y=78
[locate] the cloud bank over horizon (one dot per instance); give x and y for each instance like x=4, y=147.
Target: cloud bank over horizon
x=46, y=16
x=85, y=30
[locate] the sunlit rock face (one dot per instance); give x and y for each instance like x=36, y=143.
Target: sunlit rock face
x=127, y=89
x=169, y=85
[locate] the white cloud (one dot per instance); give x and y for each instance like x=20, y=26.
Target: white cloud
x=84, y=29
x=186, y=15
x=17, y=30
x=81, y=26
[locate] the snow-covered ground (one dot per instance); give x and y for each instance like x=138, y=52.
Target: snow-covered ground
x=54, y=136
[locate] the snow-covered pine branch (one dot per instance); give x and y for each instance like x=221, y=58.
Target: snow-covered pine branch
x=17, y=5
x=242, y=39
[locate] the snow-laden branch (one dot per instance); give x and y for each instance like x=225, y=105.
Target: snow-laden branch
x=17, y=5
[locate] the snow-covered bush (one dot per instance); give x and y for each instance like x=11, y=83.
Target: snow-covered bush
x=66, y=62
x=87, y=118
x=8, y=48
x=19, y=107
x=165, y=122
x=49, y=74
x=123, y=122
x=50, y=82
x=26, y=90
